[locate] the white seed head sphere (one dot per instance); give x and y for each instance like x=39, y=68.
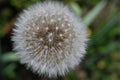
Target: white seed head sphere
x=49, y=39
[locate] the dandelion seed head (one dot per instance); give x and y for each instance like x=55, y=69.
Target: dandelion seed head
x=49, y=39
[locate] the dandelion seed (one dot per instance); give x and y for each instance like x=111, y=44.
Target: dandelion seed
x=52, y=20
x=46, y=28
x=63, y=25
x=50, y=34
x=41, y=39
x=59, y=43
x=68, y=24
x=38, y=28
x=56, y=28
x=61, y=35
x=41, y=47
x=50, y=40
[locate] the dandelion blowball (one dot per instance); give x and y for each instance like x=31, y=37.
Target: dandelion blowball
x=49, y=39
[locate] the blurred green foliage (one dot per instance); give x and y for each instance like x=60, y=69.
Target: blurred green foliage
x=103, y=53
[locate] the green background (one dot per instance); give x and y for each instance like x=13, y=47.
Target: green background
x=102, y=61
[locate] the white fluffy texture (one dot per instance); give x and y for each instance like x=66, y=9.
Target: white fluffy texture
x=36, y=39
